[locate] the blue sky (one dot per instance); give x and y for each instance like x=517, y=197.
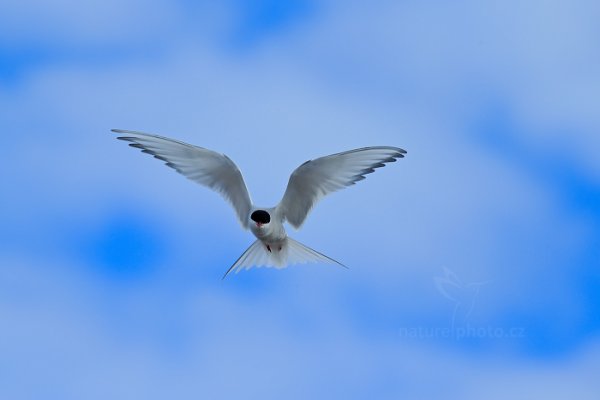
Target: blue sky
x=111, y=263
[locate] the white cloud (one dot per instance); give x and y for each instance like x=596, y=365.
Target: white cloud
x=65, y=23
x=451, y=59
x=161, y=338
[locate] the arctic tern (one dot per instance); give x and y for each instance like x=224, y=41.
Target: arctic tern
x=309, y=183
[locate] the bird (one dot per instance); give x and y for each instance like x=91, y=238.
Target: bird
x=307, y=184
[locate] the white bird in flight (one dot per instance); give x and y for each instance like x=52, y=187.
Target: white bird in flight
x=309, y=183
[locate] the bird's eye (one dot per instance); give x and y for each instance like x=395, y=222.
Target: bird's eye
x=260, y=216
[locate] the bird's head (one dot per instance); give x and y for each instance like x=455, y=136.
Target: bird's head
x=260, y=218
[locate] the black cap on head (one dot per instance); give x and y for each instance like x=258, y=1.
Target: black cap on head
x=261, y=216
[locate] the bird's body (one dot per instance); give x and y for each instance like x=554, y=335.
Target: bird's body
x=269, y=232
x=272, y=235
x=307, y=185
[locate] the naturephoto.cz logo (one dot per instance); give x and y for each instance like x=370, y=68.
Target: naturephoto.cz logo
x=462, y=297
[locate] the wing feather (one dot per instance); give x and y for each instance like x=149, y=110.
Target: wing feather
x=317, y=178
x=206, y=167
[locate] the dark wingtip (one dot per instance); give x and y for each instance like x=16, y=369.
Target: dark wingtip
x=227, y=273
x=340, y=264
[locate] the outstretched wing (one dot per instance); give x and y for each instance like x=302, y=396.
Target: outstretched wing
x=316, y=178
x=203, y=166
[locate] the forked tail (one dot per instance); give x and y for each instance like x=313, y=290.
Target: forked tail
x=278, y=255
